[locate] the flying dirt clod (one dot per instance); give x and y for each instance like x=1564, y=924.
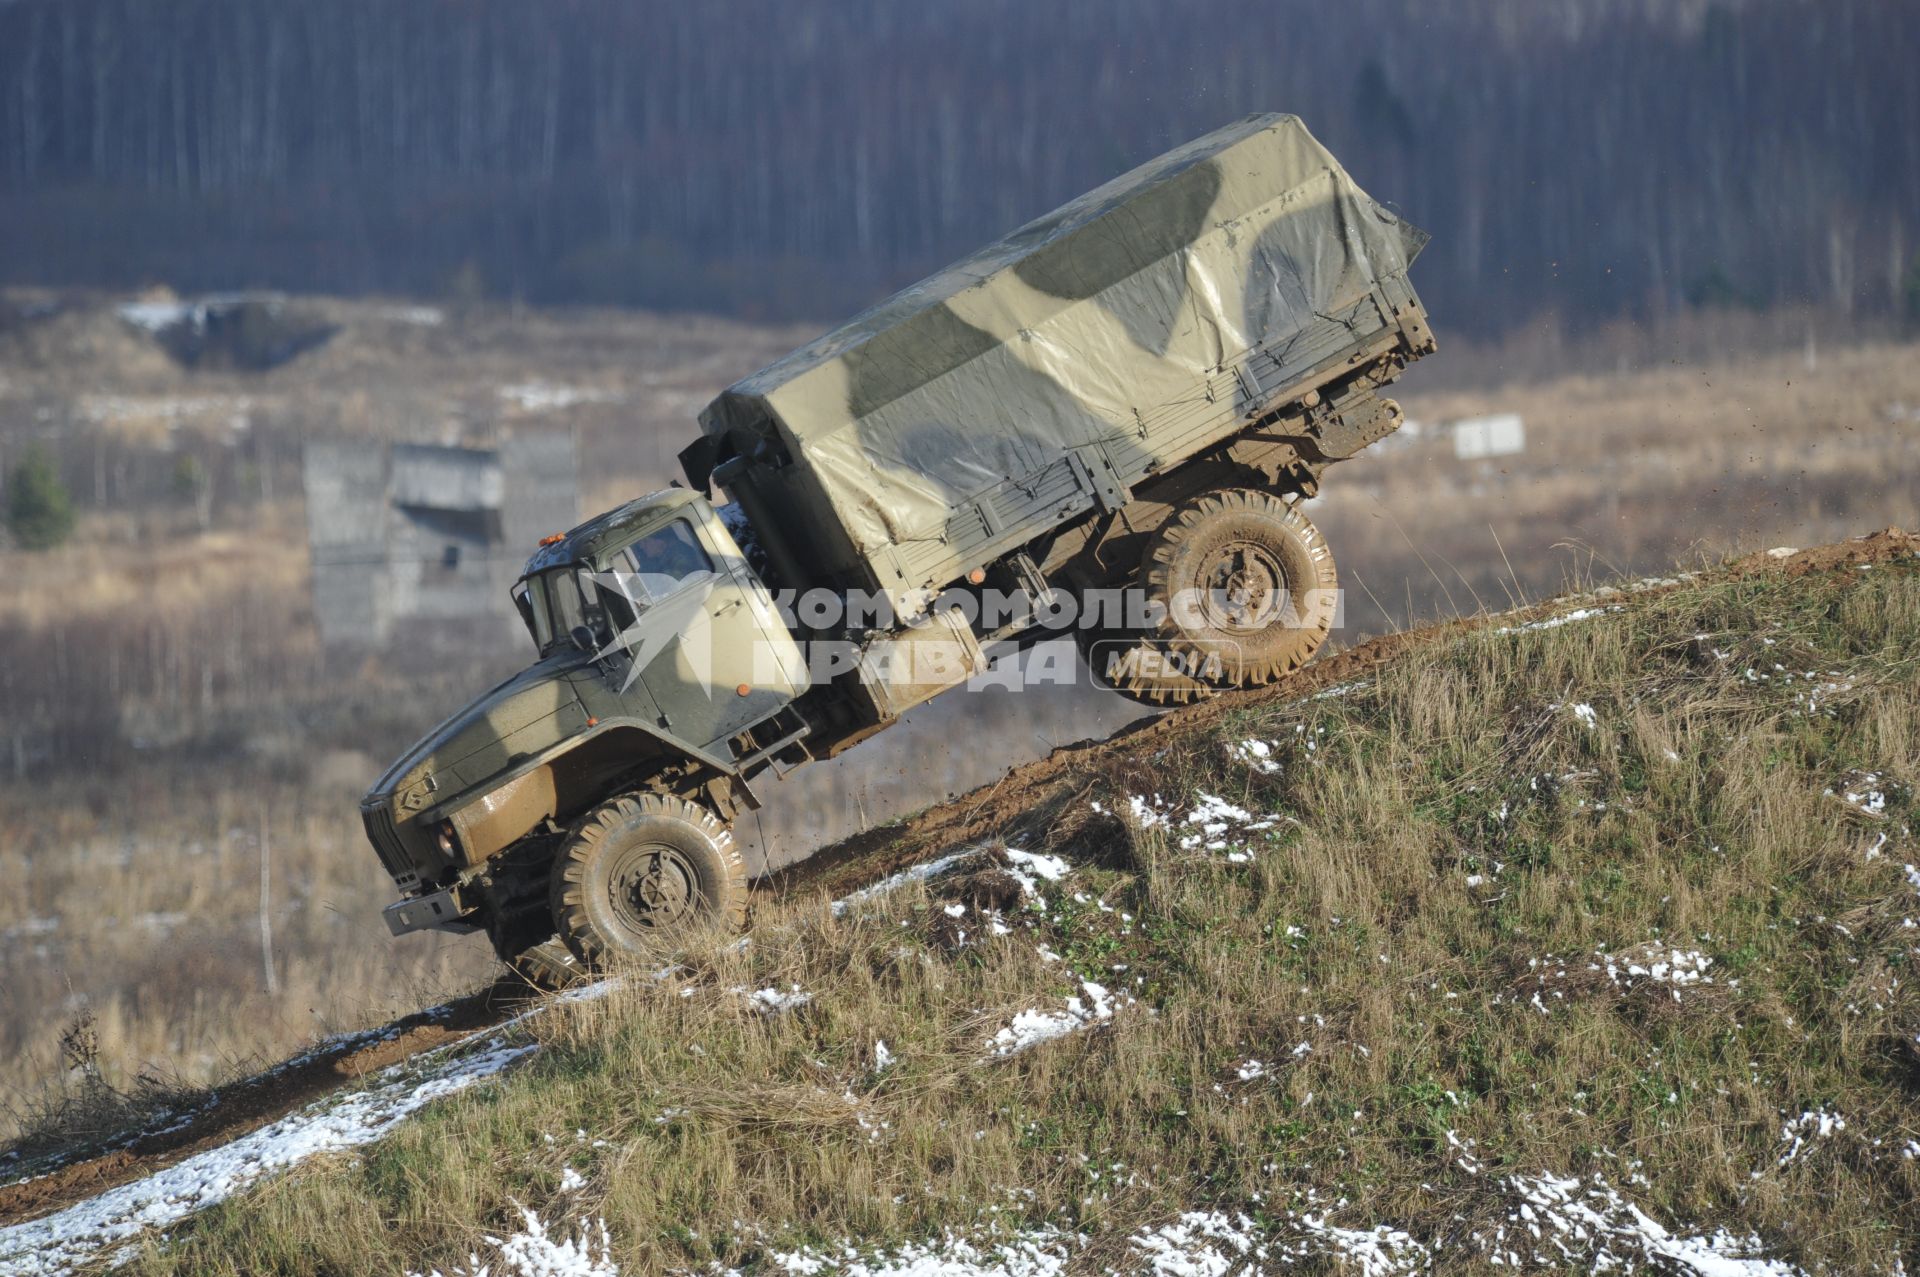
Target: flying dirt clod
x=1111, y=415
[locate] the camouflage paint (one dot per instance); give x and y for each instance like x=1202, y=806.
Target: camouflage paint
x=1122, y=328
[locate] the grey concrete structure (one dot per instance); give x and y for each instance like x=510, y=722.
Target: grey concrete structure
x=421, y=531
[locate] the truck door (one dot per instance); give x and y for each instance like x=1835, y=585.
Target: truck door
x=710, y=648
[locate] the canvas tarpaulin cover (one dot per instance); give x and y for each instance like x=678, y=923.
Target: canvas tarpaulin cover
x=1078, y=329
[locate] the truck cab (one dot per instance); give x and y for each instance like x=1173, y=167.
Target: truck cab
x=659, y=650
x=680, y=628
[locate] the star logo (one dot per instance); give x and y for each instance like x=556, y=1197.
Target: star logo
x=661, y=615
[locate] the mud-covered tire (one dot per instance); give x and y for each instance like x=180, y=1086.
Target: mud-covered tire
x=1245, y=588
x=639, y=872
x=523, y=939
x=1114, y=659
x=548, y=966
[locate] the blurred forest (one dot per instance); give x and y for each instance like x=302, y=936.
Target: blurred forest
x=1599, y=159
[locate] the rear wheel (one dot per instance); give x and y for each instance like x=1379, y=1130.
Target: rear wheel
x=641, y=871
x=1243, y=587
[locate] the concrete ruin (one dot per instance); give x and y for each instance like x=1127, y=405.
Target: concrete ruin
x=420, y=532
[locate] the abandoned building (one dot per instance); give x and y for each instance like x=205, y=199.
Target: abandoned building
x=420, y=532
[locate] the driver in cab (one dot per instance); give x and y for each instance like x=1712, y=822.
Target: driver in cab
x=667, y=556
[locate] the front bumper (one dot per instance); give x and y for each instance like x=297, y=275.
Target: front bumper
x=440, y=911
x=384, y=833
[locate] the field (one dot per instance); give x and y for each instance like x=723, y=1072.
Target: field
x=1578, y=939
x=179, y=756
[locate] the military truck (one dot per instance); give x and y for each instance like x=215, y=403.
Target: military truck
x=1123, y=403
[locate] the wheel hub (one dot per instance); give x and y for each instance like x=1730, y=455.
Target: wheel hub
x=1243, y=587
x=654, y=888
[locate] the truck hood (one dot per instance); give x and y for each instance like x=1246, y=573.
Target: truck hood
x=523, y=716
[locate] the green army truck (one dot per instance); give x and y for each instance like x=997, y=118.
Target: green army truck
x=1113, y=415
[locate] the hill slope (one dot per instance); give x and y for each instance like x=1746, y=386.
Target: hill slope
x=1577, y=939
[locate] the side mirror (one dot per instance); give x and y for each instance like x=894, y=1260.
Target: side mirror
x=582, y=638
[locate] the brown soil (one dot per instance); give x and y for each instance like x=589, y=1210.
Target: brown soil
x=1875, y=547
x=1028, y=799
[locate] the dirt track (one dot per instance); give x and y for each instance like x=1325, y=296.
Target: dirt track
x=1026, y=793
x=251, y=1103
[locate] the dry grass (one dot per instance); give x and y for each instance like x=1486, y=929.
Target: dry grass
x=196, y=573
x=145, y=926
x=1443, y=840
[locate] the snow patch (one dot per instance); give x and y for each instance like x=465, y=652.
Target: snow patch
x=1217, y=824
x=1815, y=700
x=1040, y=1253
x=1564, y=1223
x=154, y=316
x=1257, y=754
x=419, y=316
x=171, y=409
x=90, y=1231
x=1147, y=812
x=1031, y=1028
x=540, y=396
x=1380, y=1251
x=1800, y=1133
x=773, y=1001
x=1215, y=818
x=1550, y=1222
x=31, y=927
x=1675, y=968
x=1032, y=868
x=533, y=1252
x=1582, y=712
x=1199, y=1244
x=1196, y=1244
x=1336, y=691
x=1555, y=622
x=1645, y=965
x=1863, y=791
x=914, y=873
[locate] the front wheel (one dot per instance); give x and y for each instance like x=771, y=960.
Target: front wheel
x=522, y=936
x=549, y=966
x=641, y=871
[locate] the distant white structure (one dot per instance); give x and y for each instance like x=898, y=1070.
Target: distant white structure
x=1476, y=438
x=417, y=530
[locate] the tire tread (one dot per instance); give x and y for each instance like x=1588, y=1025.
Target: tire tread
x=571, y=867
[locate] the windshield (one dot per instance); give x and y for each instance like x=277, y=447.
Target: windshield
x=554, y=604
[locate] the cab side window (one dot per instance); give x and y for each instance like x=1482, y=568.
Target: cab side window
x=670, y=550
x=657, y=564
